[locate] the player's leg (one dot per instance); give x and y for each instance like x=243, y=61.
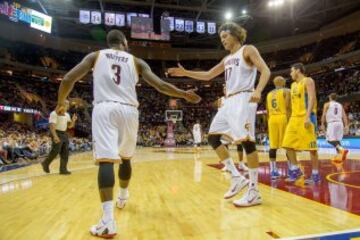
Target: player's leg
x=127, y=141
x=275, y=142
x=219, y=126
x=105, y=137
x=290, y=143
x=309, y=141
x=240, y=153
x=243, y=126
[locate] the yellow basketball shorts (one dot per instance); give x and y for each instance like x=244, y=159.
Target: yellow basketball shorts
x=298, y=137
x=277, y=126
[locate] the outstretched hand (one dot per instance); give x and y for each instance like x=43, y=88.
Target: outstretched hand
x=177, y=71
x=191, y=96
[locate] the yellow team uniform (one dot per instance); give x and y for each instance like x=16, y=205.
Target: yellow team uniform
x=276, y=107
x=296, y=135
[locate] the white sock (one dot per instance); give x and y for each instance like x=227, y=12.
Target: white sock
x=108, y=211
x=253, y=176
x=273, y=166
x=229, y=163
x=242, y=164
x=123, y=192
x=293, y=167
x=315, y=171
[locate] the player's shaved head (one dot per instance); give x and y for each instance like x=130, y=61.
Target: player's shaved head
x=279, y=81
x=115, y=38
x=235, y=30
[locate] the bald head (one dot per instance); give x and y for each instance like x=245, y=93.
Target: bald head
x=279, y=82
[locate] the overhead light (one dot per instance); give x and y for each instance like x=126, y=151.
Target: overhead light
x=228, y=15
x=244, y=11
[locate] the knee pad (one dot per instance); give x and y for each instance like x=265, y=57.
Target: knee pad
x=125, y=170
x=272, y=153
x=106, y=175
x=239, y=148
x=214, y=141
x=249, y=147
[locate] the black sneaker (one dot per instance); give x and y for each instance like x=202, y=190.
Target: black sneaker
x=45, y=167
x=66, y=172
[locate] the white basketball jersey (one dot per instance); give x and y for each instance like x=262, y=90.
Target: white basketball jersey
x=239, y=76
x=334, y=112
x=115, y=77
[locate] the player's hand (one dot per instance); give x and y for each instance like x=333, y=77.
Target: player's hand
x=191, y=96
x=60, y=109
x=307, y=123
x=322, y=128
x=56, y=139
x=255, y=97
x=177, y=71
x=74, y=117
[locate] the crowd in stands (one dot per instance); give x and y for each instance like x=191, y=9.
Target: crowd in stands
x=23, y=144
x=26, y=90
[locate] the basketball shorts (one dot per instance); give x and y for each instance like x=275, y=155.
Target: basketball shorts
x=197, y=138
x=277, y=126
x=236, y=119
x=298, y=137
x=335, y=131
x=114, y=130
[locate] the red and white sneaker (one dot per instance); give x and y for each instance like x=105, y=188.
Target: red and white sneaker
x=122, y=200
x=104, y=230
x=250, y=198
x=237, y=184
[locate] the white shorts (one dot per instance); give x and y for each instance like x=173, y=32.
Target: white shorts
x=114, y=130
x=335, y=131
x=236, y=119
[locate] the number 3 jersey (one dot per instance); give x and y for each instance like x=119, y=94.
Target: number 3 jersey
x=115, y=77
x=334, y=112
x=239, y=76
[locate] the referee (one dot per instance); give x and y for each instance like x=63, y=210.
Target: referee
x=59, y=122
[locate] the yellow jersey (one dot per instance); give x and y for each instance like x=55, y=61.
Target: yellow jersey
x=300, y=99
x=276, y=102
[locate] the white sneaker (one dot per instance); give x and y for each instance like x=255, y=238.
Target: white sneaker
x=243, y=167
x=224, y=169
x=250, y=198
x=237, y=184
x=121, y=201
x=104, y=230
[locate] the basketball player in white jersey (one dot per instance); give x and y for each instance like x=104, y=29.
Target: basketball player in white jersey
x=335, y=117
x=236, y=119
x=115, y=117
x=197, y=135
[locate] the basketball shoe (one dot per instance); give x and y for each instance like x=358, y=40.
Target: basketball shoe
x=104, y=230
x=237, y=184
x=314, y=179
x=250, y=198
x=122, y=200
x=294, y=175
x=275, y=175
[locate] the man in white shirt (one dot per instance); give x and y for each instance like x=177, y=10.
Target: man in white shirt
x=59, y=122
x=197, y=134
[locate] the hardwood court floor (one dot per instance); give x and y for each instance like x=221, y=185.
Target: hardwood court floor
x=173, y=195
